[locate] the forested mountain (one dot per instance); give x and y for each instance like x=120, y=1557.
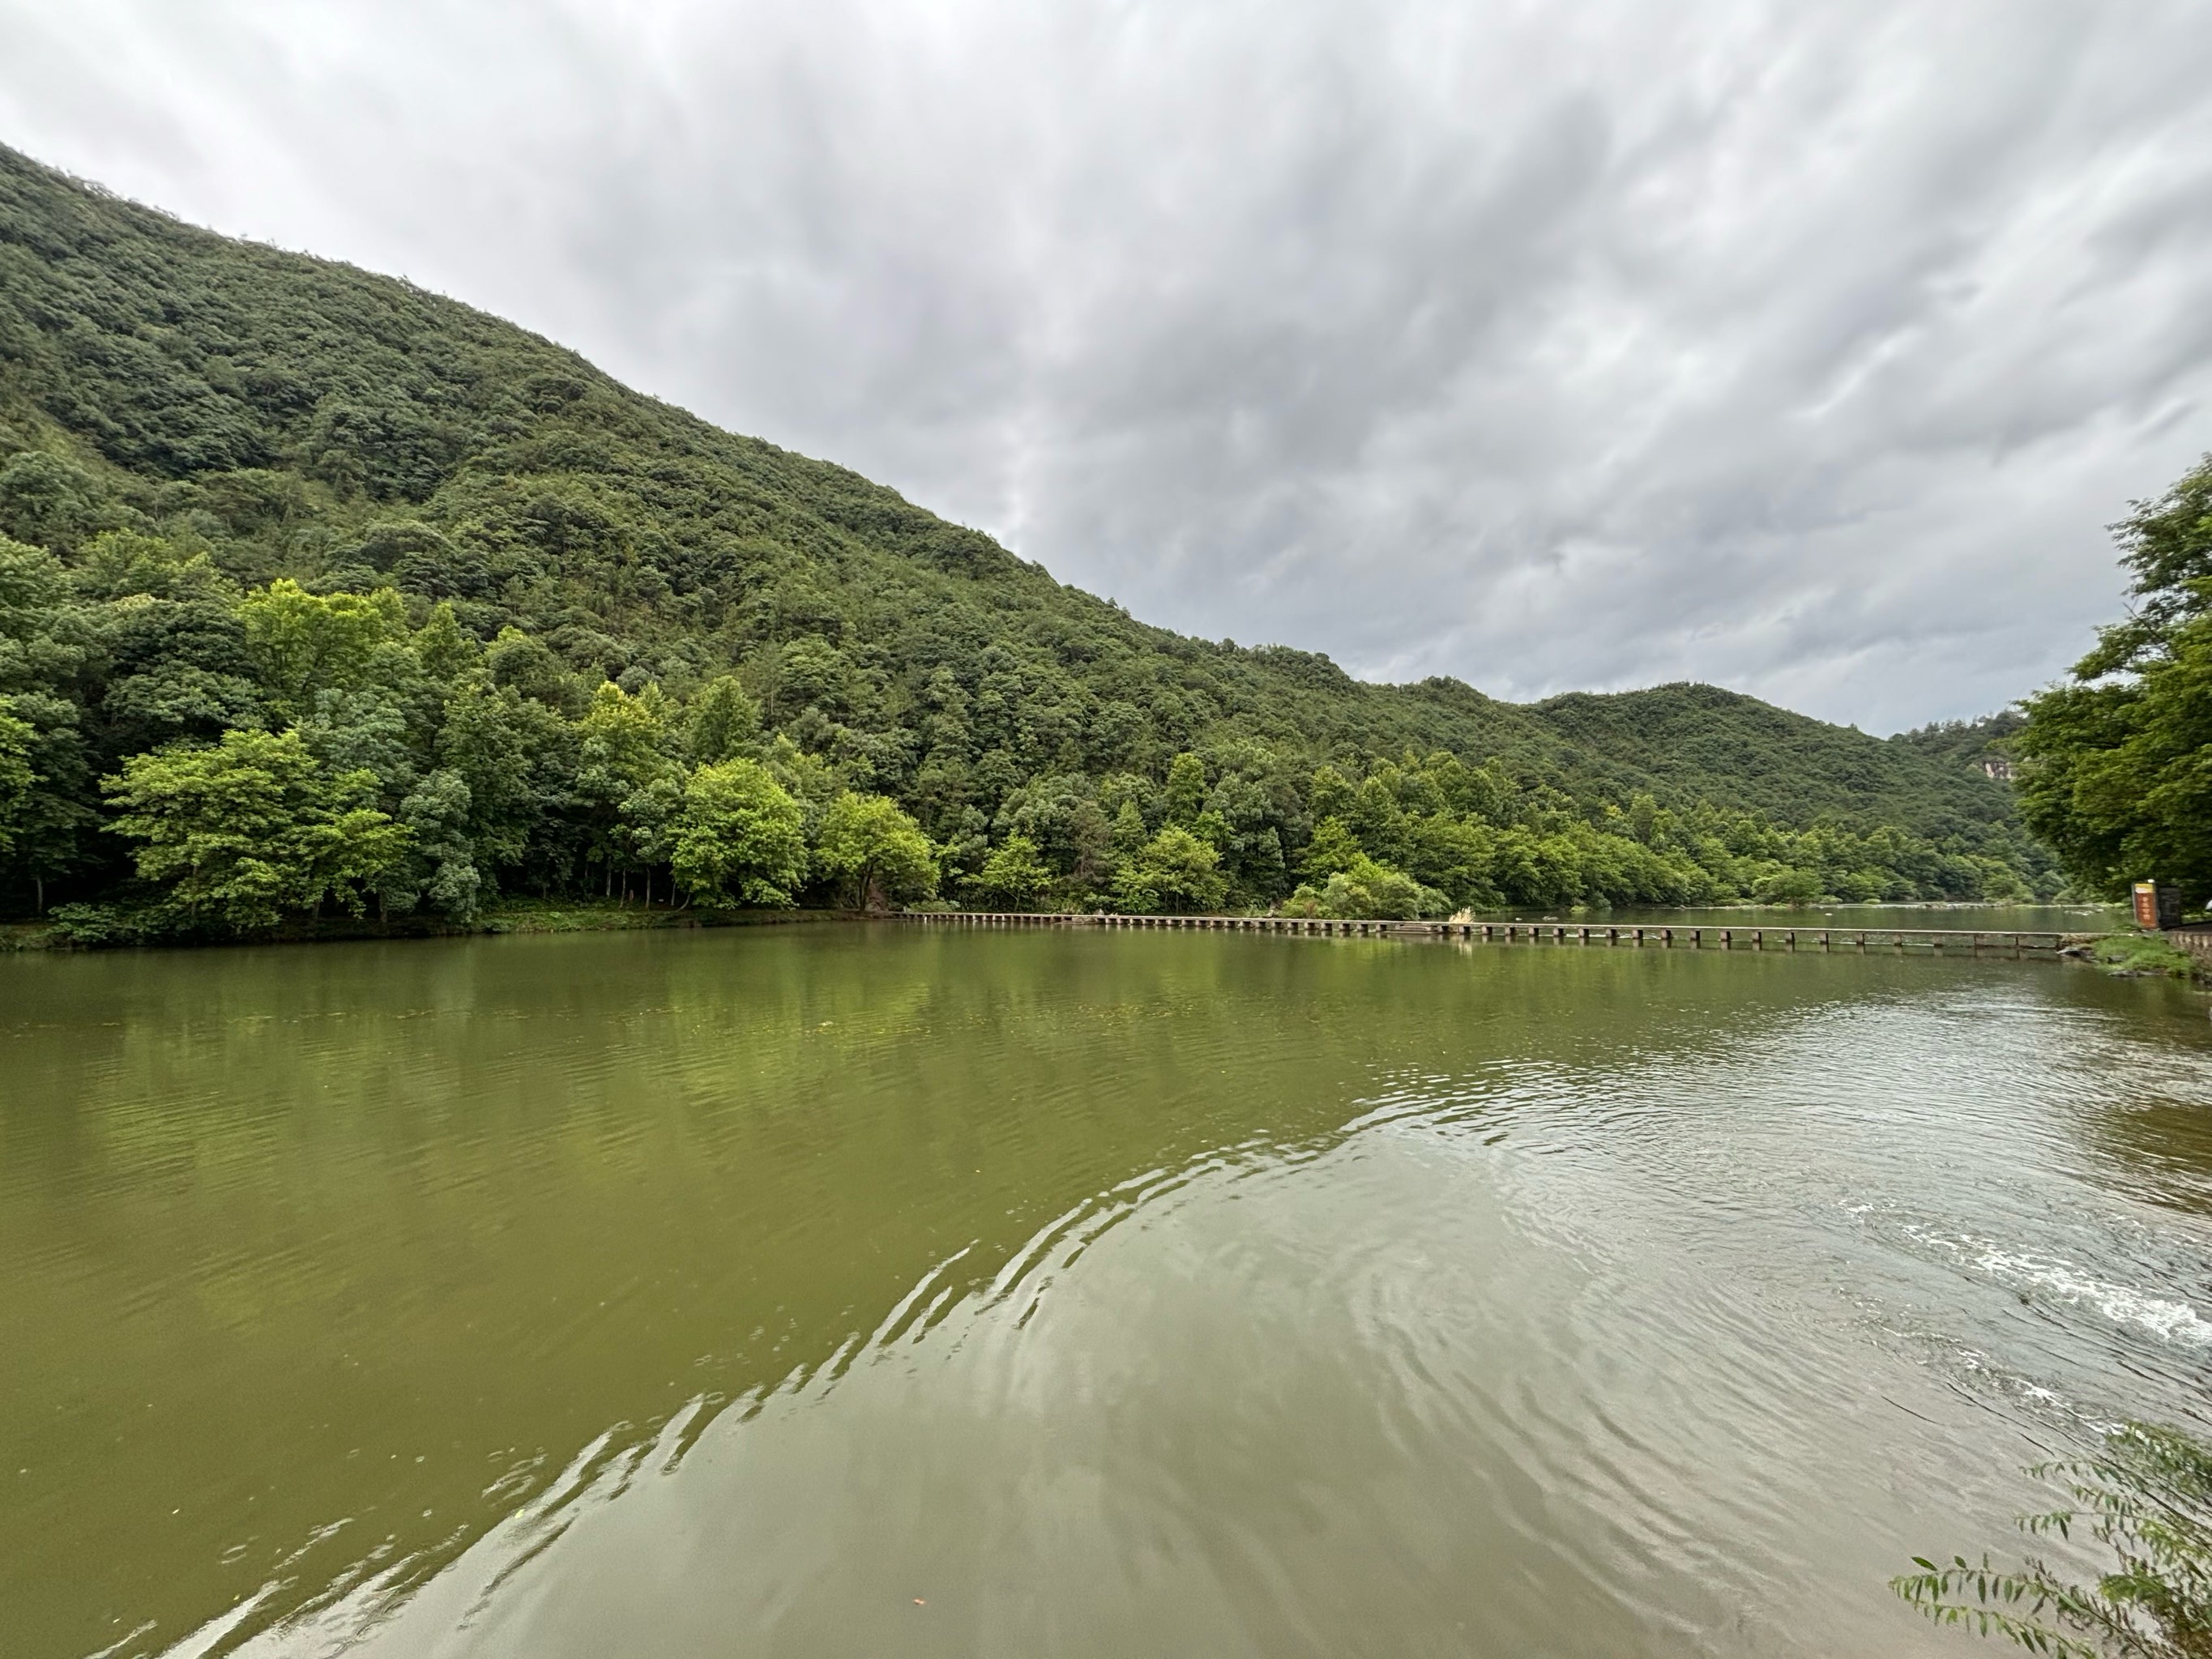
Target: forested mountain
x=319, y=588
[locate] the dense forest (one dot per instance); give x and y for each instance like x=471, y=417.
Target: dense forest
x=319, y=592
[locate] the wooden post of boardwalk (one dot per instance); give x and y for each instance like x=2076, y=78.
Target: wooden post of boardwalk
x=1936, y=942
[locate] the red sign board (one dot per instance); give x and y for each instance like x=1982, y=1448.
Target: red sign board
x=2147, y=904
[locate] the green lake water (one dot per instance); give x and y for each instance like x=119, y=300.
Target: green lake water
x=843, y=1290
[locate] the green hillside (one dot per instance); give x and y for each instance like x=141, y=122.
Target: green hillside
x=267, y=512
x=1685, y=736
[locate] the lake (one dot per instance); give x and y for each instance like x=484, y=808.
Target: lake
x=839, y=1289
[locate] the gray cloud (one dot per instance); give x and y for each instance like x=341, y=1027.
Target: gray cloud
x=1802, y=349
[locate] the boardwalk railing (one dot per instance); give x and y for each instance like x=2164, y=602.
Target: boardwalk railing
x=1934, y=940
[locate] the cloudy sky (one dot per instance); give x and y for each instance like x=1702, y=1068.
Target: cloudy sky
x=1802, y=347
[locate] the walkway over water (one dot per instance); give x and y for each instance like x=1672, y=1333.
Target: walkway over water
x=1932, y=940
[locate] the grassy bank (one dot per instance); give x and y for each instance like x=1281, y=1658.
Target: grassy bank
x=2142, y=956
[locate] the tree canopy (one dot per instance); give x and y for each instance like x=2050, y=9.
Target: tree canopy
x=2117, y=764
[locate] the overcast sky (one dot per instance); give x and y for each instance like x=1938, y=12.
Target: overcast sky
x=1803, y=349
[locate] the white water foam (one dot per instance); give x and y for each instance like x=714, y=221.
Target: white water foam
x=2170, y=1319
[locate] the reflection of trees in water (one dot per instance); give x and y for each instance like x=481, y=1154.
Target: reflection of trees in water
x=473, y=1202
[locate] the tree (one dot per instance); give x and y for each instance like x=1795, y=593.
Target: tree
x=494, y=739
x=723, y=722
x=1333, y=848
x=1013, y=877
x=306, y=643
x=1370, y=889
x=2116, y=768
x=444, y=649
x=176, y=669
x=17, y=777
x=1128, y=830
x=1186, y=788
x=626, y=779
x=439, y=868
x=873, y=850
x=740, y=837
x=252, y=828
x=43, y=648
x=1795, y=888
x=2148, y=1494
x=1175, y=871
x=2118, y=778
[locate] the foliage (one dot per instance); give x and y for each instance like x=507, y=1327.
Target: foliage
x=1173, y=871
x=16, y=778
x=876, y=851
x=1365, y=888
x=1013, y=877
x=739, y=837
x=2116, y=766
x=252, y=828
x=2147, y=1496
x=246, y=492
x=724, y=721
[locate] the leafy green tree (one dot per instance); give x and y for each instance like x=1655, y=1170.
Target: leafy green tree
x=2146, y=1495
x=440, y=867
x=444, y=649
x=2117, y=767
x=1186, y=788
x=722, y=723
x=364, y=728
x=740, y=838
x=1329, y=793
x=1795, y=888
x=1091, y=845
x=1175, y=871
x=507, y=753
x=306, y=643
x=874, y=851
x=17, y=777
x=1453, y=855
x=252, y=828
x=2118, y=776
x=626, y=779
x=526, y=664
x=648, y=816
x=1013, y=876
x=44, y=648
x=1369, y=891
x=123, y=564
x=1333, y=848
x=176, y=668
x=1377, y=823
x=1128, y=830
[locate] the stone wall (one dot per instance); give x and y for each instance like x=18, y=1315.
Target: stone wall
x=2197, y=941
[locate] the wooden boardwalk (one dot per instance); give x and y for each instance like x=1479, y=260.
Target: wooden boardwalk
x=1934, y=941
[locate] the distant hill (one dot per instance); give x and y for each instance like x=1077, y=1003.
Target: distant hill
x=1979, y=748
x=289, y=416
x=1684, y=737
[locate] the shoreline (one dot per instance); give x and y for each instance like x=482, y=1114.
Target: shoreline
x=508, y=916
x=2116, y=950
